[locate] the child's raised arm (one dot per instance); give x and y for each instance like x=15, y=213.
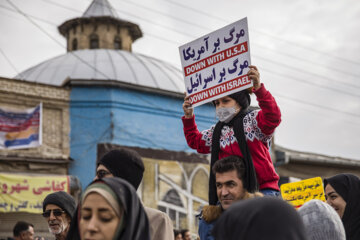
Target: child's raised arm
x=187, y=107
x=254, y=75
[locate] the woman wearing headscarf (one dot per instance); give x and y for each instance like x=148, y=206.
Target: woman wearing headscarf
x=342, y=192
x=261, y=219
x=109, y=210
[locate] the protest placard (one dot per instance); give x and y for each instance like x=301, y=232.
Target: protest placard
x=298, y=193
x=25, y=193
x=216, y=64
x=20, y=128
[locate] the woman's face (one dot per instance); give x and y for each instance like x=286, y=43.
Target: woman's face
x=335, y=200
x=98, y=219
x=226, y=102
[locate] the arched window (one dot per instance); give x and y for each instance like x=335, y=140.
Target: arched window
x=74, y=44
x=94, y=41
x=117, y=43
x=173, y=206
x=172, y=197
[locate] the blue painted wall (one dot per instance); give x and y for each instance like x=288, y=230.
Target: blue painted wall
x=125, y=117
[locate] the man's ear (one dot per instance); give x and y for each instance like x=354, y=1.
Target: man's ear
x=23, y=235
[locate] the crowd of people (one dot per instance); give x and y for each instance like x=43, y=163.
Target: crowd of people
x=244, y=197
x=110, y=209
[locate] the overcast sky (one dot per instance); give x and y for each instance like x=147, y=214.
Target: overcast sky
x=307, y=52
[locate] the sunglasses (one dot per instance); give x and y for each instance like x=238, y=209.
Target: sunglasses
x=102, y=173
x=56, y=212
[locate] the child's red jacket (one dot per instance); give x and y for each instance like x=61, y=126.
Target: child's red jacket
x=259, y=126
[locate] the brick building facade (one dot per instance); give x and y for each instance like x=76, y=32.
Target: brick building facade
x=50, y=158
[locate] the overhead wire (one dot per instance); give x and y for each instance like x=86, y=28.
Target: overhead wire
x=309, y=48
x=22, y=13
x=54, y=39
x=315, y=111
x=9, y=61
x=182, y=19
x=312, y=104
x=309, y=60
x=277, y=52
x=91, y=145
x=28, y=17
x=259, y=45
x=294, y=100
x=194, y=24
x=157, y=24
x=34, y=17
x=174, y=2
x=147, y=33
x=62, y=6
x=269, y=60
x=309, y=82
x=103, y=41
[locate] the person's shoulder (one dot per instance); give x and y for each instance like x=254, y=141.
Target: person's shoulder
x=210, y=213
x=252, y=195
x=161, y=227
x=207, y=219
x=153, y=211
x=155, y=214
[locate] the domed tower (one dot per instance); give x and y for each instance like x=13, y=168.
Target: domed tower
x=120, y=98
x=99, y=52
x=99, y=27
x=117, y=96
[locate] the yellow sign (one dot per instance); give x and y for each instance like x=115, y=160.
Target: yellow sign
x=26, y=193
x=298, y=193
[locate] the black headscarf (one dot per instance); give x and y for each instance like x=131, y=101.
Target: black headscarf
x=124, y=163
x=250, y=181
x=136, y=222
x=263, y=218
x=348, y=186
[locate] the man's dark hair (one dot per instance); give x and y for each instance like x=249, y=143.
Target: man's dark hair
x=177, y=232
x=228, y=164
x=20, y=227
x=183, y=231
x=242, y=98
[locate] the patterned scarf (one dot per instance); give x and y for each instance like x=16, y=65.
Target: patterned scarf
x=249, y=180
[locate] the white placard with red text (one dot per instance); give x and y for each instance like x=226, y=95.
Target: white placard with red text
x=216, y=64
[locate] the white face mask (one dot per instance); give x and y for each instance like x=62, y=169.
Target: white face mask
x=226, y=114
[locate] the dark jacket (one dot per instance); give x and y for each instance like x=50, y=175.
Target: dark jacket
x=260, y=218
x=210, y=214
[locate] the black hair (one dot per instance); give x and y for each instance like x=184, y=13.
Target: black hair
x=176, y=232
x=20, y=227
x=242, y=98
x=183, y=231
x=124, y=163
x=228, y=164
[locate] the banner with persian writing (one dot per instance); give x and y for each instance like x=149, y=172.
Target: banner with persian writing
x=298, y=193
x=20, y=128
x=216, y=64
x=26, y=193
